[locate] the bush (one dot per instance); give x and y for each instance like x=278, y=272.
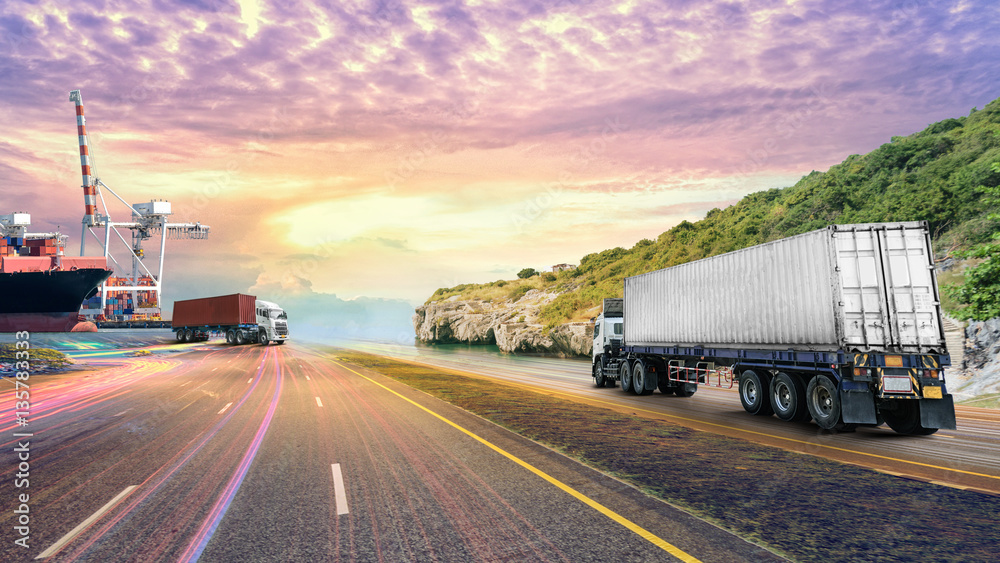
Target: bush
x=981, y=291
x=548, y=277
x=518, y=292
x=527, y=273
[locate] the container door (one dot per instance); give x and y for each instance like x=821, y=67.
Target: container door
x=865, y=316
x=912, y=292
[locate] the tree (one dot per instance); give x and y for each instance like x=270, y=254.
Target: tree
x=981, y=290
x=527, y=273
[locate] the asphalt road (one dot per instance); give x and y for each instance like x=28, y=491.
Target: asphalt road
x=968, y=457
x=224, y=453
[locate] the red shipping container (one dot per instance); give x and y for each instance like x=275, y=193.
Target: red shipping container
x=225, y=310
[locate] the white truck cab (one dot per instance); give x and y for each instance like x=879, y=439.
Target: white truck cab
x=609, y=333
x=272, y=323
x=606, y=330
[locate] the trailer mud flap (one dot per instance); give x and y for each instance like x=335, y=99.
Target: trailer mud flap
x=857, y=407
x=938, y=413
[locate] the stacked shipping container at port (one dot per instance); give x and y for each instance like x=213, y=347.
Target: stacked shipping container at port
x=121, y=305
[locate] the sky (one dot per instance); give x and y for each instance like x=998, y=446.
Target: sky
x=381, y=150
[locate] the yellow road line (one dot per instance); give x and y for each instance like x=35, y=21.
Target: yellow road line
x=645, y=534
x=694, y=420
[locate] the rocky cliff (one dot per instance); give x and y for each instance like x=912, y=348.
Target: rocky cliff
x=512, y=325
x=982, y=360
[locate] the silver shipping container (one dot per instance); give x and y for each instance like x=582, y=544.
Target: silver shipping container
x=865, y=287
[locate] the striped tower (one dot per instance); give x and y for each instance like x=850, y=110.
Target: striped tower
x=89, y=189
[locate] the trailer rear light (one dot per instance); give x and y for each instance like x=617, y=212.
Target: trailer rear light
x=933, y=374
x=860, y=372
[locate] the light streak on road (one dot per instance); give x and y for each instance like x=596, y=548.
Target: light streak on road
x=161, y=477
x=211, y=523
x=76, y=395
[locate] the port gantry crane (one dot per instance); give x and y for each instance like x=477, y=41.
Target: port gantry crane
x=147, y=220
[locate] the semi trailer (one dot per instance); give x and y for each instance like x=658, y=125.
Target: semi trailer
x=241, y=318
x=840, y=325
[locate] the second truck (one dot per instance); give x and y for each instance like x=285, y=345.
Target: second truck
x=840, y=325
x=241, y=318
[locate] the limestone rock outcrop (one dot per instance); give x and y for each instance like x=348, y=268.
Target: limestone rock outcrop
x=512, y=325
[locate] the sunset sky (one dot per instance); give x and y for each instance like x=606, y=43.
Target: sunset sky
x=385, y=149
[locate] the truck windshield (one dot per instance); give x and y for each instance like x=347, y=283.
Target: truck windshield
x=277, y=314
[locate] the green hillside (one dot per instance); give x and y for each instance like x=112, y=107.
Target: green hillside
x=931, y=175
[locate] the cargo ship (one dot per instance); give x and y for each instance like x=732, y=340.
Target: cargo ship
x=41, y=289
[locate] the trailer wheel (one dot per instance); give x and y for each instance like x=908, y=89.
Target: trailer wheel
x=599, y=379
x=639, y=378
x=824, y=403
x=788, y=398
x=682, y=391
x=903, y=416
x=664, y=384
x=240, y=338
x=625, y=377
x=753, y=392
x=188, y=335
x=180, y=335
x=230, y=336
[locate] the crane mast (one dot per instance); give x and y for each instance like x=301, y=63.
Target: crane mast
x=147, y=219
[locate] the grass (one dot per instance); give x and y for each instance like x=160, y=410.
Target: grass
x=503, y=290
x=806, y=508
x=991, y=401
x=39, y=358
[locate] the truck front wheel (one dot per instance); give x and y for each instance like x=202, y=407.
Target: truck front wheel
x=753, y=392
x=262, y=337
x=599, y=379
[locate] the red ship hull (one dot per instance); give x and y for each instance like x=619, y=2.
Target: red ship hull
x=46, y=300
x=45, y=322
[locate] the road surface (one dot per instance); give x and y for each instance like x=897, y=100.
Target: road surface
x=223, y=453
x=968, y=457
